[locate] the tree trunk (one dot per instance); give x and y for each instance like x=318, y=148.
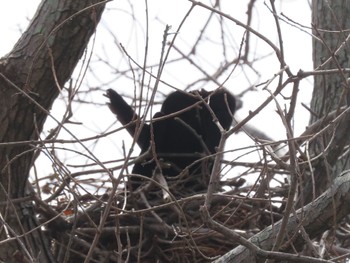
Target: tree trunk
x=31, y=77
x=329, y=101
x=330, y=51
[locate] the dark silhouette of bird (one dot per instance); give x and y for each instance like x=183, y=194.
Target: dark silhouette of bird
x=182, y=137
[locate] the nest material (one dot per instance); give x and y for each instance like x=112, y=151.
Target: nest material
x=147, y=227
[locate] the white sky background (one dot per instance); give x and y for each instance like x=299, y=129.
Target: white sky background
x=15, y=14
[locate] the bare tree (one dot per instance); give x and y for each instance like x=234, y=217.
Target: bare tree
x=31, y=77
x=324, y=162
x=330, y=96
x=272, y=206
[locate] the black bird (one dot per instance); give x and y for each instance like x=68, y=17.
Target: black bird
x=183, y=137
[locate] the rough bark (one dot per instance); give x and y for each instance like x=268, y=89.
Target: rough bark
x=329, y=19
x=31, y=77
x=330, y=51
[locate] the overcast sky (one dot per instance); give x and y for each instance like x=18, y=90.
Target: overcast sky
x=15, y=14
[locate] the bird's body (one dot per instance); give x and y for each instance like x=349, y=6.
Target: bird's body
x=185, y=134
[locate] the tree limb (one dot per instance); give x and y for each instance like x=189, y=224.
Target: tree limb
x=315, y=217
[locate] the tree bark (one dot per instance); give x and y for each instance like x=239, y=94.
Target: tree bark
x=329, y=19
x=330, y=51
x=31, y=77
